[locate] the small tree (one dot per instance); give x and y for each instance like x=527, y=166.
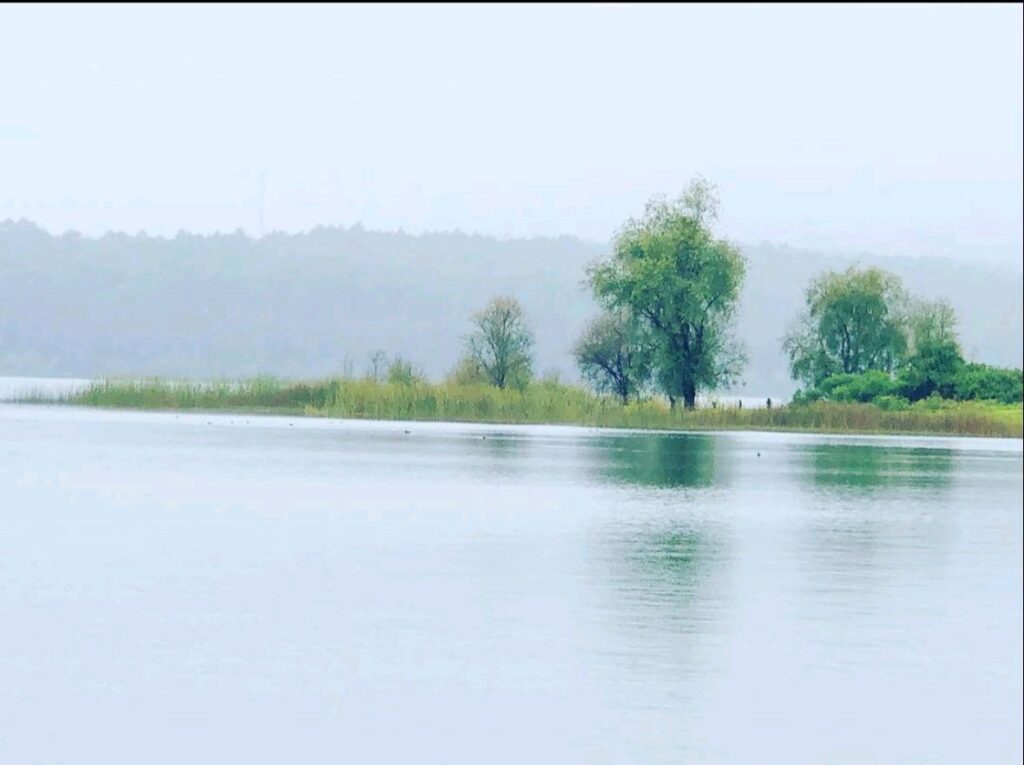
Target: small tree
x=930, y=323
x=614, y=355
x=501, y=343
x=934, y=359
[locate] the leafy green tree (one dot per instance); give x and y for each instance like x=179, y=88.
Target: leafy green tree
x=854, y=321
x=936, y=364
x=501, y=343
x=614, y=355
x=683, y=285
x=931, y=323
x=934, y=352
x=933, y=369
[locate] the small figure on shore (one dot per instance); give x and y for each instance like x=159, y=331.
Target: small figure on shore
x=768, y=403
x=740, y=406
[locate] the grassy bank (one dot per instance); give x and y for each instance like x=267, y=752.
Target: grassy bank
x=540, y=403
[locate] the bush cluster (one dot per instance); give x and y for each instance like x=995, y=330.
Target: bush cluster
x=962, y=382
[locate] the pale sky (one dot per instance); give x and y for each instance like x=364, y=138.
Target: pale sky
x=892, y=129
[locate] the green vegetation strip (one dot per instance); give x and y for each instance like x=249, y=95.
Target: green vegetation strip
x=537, y=403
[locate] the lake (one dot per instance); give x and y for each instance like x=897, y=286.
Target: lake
x=220, y=588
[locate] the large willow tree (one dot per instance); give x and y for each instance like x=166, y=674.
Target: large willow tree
x=854, y=321
x=669, y=270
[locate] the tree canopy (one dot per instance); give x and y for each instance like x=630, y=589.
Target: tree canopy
x=614, y=355
x=931, y=323
x=669, y=271
x=934, y=358
x=854, y=322
x=501, y=343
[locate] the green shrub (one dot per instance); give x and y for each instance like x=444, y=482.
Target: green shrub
x=933, y=369
x=892, y=403
x=932, y=403
x=934, y=375
x=863, y=388
x=981, y=382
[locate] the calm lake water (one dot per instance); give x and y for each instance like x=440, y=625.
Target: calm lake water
x=220, y=589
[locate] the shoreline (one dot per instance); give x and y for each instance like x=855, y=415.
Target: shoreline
x=540, y=403
x=667, y=429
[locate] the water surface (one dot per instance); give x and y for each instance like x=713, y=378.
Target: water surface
x=208, y=589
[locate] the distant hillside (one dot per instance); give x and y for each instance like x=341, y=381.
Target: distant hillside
x=320, y=302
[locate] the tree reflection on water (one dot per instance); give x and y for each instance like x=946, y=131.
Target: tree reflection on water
x=658, y=460
x=863, y=466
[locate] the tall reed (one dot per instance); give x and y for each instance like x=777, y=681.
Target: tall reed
x=538, y=403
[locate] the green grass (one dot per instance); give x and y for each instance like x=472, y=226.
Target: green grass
x=539, y=403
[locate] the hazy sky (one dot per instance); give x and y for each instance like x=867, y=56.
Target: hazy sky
x=888, y=128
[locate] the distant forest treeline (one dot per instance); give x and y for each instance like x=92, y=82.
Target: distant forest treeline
x=320, y=303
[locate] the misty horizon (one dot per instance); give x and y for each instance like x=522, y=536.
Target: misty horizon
x=848, y=253
x=318, y=118
x=318, y=303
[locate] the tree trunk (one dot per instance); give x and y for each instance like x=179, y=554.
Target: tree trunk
x=690, y=397
x=622, y=388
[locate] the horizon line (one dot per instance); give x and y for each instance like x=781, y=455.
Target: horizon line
x=357, y=226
